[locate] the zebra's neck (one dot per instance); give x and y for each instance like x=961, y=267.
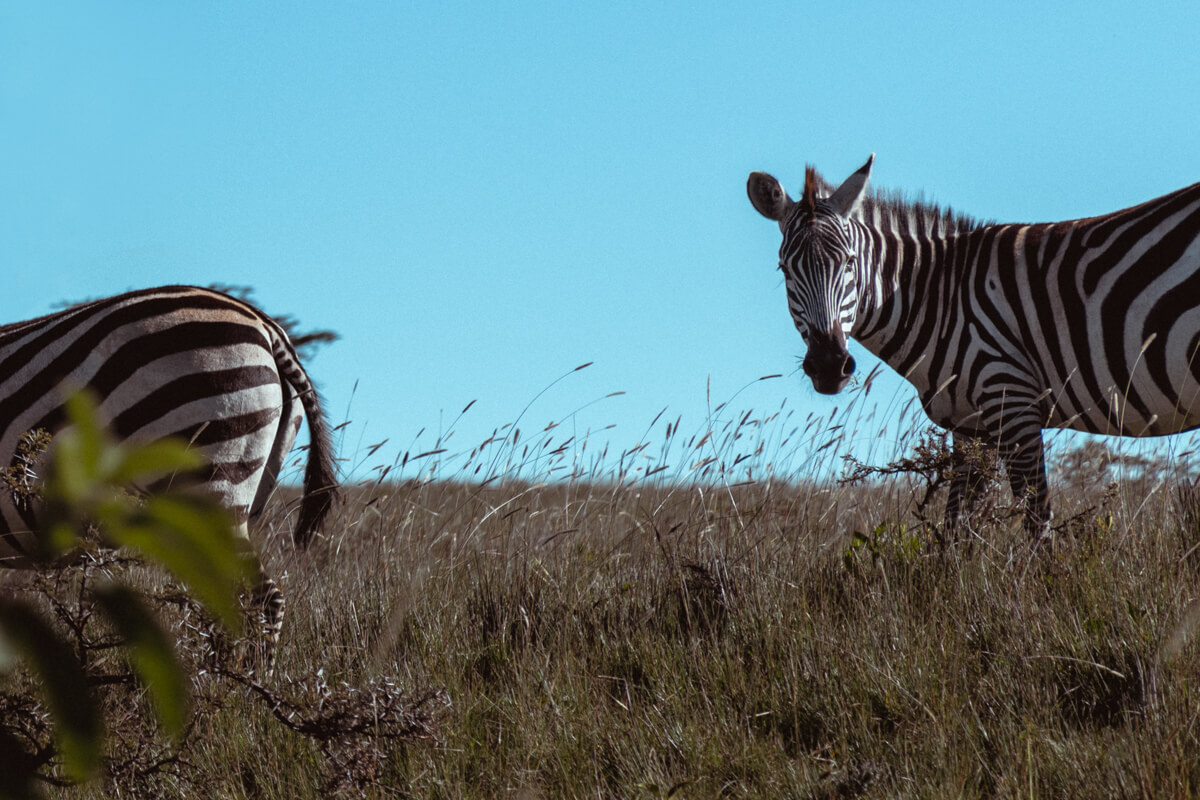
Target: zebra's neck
x=907, y=252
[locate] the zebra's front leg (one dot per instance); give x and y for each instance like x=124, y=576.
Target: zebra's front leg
x=967, y=482
x=975, y=458
x=1012, y=410
x=1025, y=459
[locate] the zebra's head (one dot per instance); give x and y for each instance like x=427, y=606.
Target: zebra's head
x=818, y=259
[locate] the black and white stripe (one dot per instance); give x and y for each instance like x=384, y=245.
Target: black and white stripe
x=175, y=361
x=1090, y=324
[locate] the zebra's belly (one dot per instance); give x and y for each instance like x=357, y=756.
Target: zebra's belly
x=1116, y=415
x=953, y=413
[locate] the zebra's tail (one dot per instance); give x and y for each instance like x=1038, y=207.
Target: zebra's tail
x=320, y=474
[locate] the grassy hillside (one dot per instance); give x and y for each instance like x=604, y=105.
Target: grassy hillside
x=600, y=642
x=618, y=635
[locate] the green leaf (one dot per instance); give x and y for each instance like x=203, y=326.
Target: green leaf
x=191, y=536
x=57, y=538
x=80, y=446
x=150, y=652
x=66, y=472
x=194, y=539
x=77, y=721
x=141, y=464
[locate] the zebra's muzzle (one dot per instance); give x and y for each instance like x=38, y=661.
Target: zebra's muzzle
x=829, y=366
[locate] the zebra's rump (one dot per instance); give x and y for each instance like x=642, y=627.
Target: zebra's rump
x=175, y=361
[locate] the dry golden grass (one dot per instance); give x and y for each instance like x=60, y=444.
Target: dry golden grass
x=601, y=642
x=603, y=627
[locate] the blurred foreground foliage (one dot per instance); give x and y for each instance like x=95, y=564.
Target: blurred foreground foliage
x=97, y=642
x=86, y=504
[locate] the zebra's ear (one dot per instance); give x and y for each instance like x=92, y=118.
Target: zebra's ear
x=848, y=195
x=767, y=196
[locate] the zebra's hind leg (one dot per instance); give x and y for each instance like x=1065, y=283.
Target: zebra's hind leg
x=264, y=616
x=268, y=604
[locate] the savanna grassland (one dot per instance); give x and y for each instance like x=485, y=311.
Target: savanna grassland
x=687, y=619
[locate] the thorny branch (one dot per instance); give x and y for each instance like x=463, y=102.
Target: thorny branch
x=350, y=725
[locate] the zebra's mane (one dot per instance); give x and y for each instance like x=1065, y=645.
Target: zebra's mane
x=895, y=212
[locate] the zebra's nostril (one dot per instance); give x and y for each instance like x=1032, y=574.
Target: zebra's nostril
x=807, y=366
x=848, y=366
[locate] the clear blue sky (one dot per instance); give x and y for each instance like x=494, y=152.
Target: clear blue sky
x=479, y=197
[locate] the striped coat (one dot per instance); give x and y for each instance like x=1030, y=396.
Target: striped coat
x=1089, y=324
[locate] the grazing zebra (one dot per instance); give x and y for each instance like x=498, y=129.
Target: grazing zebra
x=1090, y=324
x=176, y=361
